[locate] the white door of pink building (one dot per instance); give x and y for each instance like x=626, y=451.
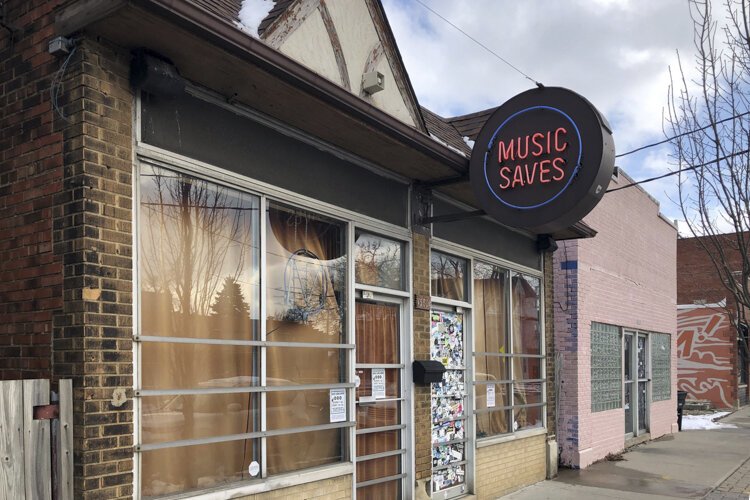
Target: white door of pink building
x=636, y=383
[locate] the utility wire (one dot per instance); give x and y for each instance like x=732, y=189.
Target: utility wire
x=682, y=134
x=693, y=167
x=537, y=83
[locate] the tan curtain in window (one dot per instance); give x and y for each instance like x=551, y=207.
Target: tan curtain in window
x=490, y=324
x=197, y=249
x=526, y=340
x=303, y=257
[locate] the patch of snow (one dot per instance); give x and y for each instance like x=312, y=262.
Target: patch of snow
x=438, y=139
x=252, y=12
x=705, y=422
x=469, y=142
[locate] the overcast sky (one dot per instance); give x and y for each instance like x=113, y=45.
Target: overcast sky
x=616, y=53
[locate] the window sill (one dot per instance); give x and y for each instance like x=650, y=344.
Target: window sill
x=481, y=443
x=270, y=484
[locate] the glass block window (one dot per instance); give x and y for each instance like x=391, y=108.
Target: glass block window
x=661, y=353
x=606, y=367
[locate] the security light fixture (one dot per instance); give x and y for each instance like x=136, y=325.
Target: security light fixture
x=372, y=82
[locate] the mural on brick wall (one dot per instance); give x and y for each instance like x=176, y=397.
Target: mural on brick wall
x=704, y=347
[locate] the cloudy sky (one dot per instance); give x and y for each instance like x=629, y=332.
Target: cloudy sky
x=617, y=53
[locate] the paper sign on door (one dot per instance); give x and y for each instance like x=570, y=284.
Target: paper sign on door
x=378, y=383
x=338, y=405
x=490, y=396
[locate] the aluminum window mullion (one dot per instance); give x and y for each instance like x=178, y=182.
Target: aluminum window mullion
x=452, y=441
x=375, y=456
x=376, y=365
x=234, y=390
x=380, y=480
x=251, y=343
x=372, y=430
x=241, y=437
x=449, y=465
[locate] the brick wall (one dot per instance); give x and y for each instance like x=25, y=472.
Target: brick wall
x=31, y=175
x=506, y=467
x=93, y=235
x=625, y=276
x=421, y=336
x=549, y=342
x=701, y=281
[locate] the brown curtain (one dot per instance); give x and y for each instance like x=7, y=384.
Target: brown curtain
x=490, y=320
x=197, y=262
x=377, y=338
x=306, y=266
x=526, y=340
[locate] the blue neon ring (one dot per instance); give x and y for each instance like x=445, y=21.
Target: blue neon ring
x=572, y=176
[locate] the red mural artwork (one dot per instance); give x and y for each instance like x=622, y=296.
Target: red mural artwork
x=704, y=368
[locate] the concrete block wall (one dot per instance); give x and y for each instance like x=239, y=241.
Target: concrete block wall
x=506, y=467
x=625, y=276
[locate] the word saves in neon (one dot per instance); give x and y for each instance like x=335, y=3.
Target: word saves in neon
x=541, y=152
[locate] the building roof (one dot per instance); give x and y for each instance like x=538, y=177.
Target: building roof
x=470, y=125
x=442, y=129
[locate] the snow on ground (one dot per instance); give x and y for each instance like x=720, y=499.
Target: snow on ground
x=252, y=13
x=705, y=422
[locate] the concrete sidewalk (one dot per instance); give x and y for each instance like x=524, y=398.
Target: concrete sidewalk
x=711, y=464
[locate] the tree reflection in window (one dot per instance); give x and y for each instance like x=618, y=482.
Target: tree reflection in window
x=378, y=261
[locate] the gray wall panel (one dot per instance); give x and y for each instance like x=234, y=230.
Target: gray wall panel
x=486, y=236
x=200, y=130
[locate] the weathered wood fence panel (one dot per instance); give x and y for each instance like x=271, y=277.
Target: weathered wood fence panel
x=11, y=439
x=26, y=443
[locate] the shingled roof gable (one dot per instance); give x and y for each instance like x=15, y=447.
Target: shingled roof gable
x=441, y=129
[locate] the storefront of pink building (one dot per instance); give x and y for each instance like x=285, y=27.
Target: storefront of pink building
x=615, y=328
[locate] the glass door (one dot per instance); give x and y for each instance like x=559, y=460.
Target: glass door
x=636, y=379
x=448, y=402
x=628, y=384
x=643, y=379
x=381, y=443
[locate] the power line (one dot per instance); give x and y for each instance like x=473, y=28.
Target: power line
x=693, y=167
x=682, y=134
x=538, y=84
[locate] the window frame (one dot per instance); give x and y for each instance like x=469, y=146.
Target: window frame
x=472, y=255
x=156, y=157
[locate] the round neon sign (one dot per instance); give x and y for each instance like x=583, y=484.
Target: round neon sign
x=543, y=160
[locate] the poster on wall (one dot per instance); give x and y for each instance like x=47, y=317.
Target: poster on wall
x=337, y=399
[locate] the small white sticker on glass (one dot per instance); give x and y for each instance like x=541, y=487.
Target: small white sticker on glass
x=254, y=468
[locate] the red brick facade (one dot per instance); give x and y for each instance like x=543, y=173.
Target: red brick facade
x=31, y=173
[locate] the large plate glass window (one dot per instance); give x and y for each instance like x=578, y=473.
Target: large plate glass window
x=199, y=265
x=509, y=360
x=223, y=399
x=528, y=360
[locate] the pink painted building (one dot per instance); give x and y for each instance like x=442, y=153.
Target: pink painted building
x=615, y=328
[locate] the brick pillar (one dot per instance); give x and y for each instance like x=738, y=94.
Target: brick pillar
x=421, y=347
x=93, y=234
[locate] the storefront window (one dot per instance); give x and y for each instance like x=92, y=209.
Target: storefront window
x=448, y=276
x=378, y=261
x=306, y=292
x=200, y=352
x=199, y=264
x=508, y=385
